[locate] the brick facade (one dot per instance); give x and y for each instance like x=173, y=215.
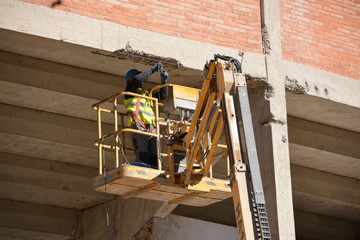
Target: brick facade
x=227, y=23
x=322, y=34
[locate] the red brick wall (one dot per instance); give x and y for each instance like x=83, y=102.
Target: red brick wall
x=229, y=23
x=323, y=34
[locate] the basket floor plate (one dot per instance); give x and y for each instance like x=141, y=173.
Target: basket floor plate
x=134, y=181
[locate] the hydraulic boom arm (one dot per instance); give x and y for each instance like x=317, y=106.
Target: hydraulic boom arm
x=224, y=90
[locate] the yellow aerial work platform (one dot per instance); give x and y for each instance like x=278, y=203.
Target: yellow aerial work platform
x=165, y=183
x=191, y=128
x=134, y=181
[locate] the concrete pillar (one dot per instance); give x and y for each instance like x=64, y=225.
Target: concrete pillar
x=270, y=121
x=126, y=218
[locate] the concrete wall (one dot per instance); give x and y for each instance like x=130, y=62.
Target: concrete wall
x=178, y=228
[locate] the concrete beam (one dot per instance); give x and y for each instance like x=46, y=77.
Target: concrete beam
x=51, y=101
x=324, y=206
x=51, y=136
x=323, y=137
x=47, y=182
x=126, y=218
x=221, y=212
x=61, y=223
x=16, y=234
x=272, y=140
x=326, y=194
x=107, y=36
x=58, y=77
x=322, y=84
x=324, y=161
x=39, y=148
x=316, y=227
x=47, y=126
x=321, y=110
x=178, y=228
x=97, y=60
x=59, y=88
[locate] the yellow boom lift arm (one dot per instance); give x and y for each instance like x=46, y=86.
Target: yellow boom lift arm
x=221, y=105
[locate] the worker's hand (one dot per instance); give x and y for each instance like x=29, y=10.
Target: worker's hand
x=164, y=76
x=158, y=67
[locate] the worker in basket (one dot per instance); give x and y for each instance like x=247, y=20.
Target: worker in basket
x=140, y=114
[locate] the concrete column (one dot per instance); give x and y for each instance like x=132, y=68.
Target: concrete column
x=272, y=139
x=126, y=218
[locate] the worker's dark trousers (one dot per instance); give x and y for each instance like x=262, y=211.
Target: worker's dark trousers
x=145, y=147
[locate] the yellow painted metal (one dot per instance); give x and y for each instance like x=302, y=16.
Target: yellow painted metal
x=227, y=163
x=131, y=130
x=243, y=213
x=222, y=146
x=134, y=181
x=190, y=156
x=159, y=87
x=182, y=92
x=199, y=107
x=142, y=189
x=100, y=146
x=101, y=138
x=171, y=162
x=207, y=184
x=192, y=185
x=218, y=131
x=185, y=197
x=211, y=128
x=123, y=137
x=230, y=116
x=116, y=133
x=157, y=134
x=187, y=93
x=241, y=198
x=105, y=110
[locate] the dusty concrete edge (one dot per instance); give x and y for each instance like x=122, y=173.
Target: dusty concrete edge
x=315, y=82
x=108, y=36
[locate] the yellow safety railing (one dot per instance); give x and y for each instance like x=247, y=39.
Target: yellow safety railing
x=100, y=108
x=119, y=130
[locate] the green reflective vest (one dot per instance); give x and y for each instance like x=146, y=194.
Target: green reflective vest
x=144, y=114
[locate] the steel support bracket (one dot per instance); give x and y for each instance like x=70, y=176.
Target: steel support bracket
x=240, y=79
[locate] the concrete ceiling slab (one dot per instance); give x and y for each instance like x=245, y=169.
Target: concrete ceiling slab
x=51, y=101
x=47, y=182
x=326, y=207
x=324, y=137
x=324, y=161
x=49, y=126
x=38, y=218
x=38, y=148
x=312, y=226
x=48, y=196
x=19, y=234
x=88, y=58
x=332, y=195
x=320, y=110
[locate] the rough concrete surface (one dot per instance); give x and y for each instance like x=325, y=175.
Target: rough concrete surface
x=51, y=74
x=178, y=228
